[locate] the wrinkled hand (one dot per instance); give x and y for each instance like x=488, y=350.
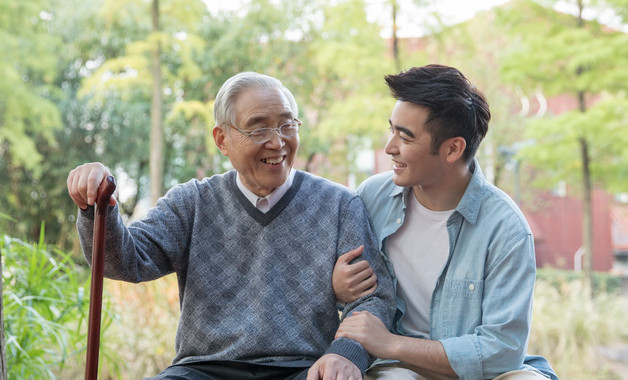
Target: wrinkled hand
x=83, y=183
x=369, y=331
x=334, y=367
x=353, y=281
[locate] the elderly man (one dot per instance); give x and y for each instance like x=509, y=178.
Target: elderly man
x=462, y=252
x=253, y=250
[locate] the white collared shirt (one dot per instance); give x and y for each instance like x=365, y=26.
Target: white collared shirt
x=272, y=198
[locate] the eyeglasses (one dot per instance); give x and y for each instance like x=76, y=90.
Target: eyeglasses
x=261, y=135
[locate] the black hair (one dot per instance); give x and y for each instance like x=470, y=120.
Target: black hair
x=456, y=107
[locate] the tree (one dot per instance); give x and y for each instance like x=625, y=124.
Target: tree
x=157, y=58
x=27, y=69
x=395, y=39
x=349, y=104
x=87, y=128
x=156, y=122
x=28, y=116
x=564, y=54
x=102, y=89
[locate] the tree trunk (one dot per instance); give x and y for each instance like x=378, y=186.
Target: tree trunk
x=587, y=209
x=3, y=360
x=395, y=40
x=587, y=220
x=156, y=128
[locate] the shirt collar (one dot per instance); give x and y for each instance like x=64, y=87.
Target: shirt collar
x=469, y=206
x=273, y=197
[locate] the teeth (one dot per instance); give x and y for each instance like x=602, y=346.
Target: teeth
x=273, y=160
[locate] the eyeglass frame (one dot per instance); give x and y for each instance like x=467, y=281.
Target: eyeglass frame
x=268, y=135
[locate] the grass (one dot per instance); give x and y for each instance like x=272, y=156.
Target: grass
x=44, y=307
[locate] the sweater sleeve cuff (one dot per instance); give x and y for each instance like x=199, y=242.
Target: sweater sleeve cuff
x=88, y=213
x=351, y=350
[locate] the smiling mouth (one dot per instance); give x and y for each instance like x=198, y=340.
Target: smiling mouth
x=398, y=164
x=273, y=160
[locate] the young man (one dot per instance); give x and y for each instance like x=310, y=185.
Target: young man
x=253, y=250
x=462, y=252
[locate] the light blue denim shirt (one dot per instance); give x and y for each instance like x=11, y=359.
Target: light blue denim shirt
x=481, y=308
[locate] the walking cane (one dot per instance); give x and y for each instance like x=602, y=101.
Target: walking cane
x=105, y=191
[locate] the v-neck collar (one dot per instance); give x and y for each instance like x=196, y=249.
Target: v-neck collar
x=265, y=218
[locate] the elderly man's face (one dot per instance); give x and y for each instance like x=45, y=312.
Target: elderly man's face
x=262, y=167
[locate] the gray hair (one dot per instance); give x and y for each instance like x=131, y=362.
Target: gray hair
x=224, y=105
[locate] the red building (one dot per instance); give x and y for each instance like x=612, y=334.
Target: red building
x=556, y=223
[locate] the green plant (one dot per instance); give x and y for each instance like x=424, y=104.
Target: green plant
x=45, y=309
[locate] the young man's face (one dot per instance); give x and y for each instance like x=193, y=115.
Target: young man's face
x=262, y=167
x=410, y=147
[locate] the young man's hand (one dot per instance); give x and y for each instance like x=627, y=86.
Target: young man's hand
x=353, y=281
x=369, y=331
x=334, y=367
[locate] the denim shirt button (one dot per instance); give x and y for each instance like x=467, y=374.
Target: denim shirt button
x=399, y=221
x=471, y=287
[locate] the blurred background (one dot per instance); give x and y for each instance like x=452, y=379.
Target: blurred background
x=131, y=83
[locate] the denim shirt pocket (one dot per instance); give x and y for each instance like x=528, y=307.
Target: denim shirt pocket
x=461, y=308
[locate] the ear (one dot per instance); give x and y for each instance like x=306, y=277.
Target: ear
x=221, y=139
x=454, y=148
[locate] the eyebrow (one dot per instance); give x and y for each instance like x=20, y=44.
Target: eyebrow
x=401, y=129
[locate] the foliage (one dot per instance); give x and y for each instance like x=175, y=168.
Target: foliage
x=620, y=7
x=45, y=309
x=561, y=57
x=27, y=70
x=28, y=115
x=350, y=101
x=88, y=64
x=568, y=325
x=126, y=78
x=108, y=128
x=582, y=60
x=101, y=79
x=557, y=151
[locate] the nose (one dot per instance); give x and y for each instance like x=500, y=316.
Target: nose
x=391, y=146
x=275, y=140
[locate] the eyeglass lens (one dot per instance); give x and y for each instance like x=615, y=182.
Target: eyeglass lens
x=262, y=135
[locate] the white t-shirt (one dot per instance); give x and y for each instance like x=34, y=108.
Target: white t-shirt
x=418, y=251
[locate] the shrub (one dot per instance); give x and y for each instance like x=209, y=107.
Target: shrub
x=569, y=328
x=45, y=309
x=602, y=282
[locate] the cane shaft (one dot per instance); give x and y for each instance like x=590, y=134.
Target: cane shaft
x=105, y=191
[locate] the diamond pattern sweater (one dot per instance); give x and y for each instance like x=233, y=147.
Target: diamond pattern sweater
x=253, y=287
